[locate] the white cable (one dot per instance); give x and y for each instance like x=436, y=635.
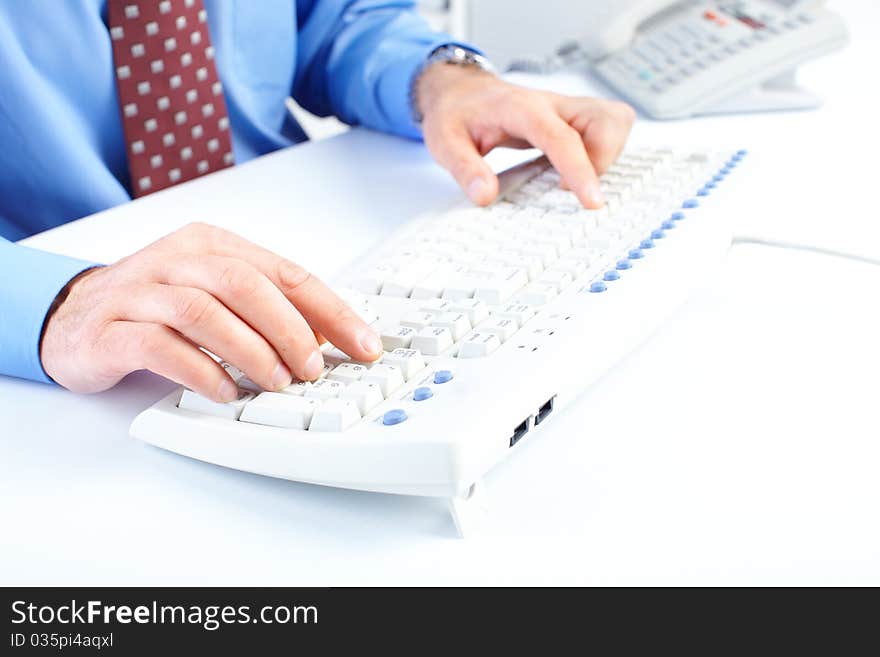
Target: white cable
x=809, y=248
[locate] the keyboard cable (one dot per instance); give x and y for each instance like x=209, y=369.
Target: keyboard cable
x=808, y=248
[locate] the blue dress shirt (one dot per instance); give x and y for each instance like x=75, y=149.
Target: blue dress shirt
x=62, y=152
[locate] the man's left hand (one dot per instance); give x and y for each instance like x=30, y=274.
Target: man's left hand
x=467, y=112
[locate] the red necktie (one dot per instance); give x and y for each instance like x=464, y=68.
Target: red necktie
x=171, y=100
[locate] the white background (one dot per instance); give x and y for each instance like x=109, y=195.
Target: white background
x=740, y=445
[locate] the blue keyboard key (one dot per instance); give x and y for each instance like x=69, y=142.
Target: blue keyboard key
x=711, y=185
x=392, y=417
x=598, y=286
x=647, y=244
x=611, y=275
x=658, y=235
x=442, y=376
x=624, y=264
x=677, y=216
x=704, y=192
x=690, y=204
x=635, y=254
x=717, y=179
x=423, y=393
x=726, y=170
x=668, y=224
x=742, y=152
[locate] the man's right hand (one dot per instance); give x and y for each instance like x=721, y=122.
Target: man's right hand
x=200, y=286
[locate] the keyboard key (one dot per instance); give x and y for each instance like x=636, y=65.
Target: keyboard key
x=433, y=341
x=347, y=372
x=397, y=337
x=457, y=323
x=275, y=409
x=409, y=361
x=537, y=294
x=334, y=356
x=533, y=265
x=436, y=306
x=422, y=393
x=371, y=281
x=240, y=378
x=559, y=279
x=433, y=286
x=194, y=402
x=443, y=376
x=459, y=288
x=519, y=312
x=546, y=252
x=394, y=416
x=387, y=377
x=324, y=389
x=335, y=415
x=417, y=320
x=479, y=345
x=366, y=395
x=297, y=388
x=475, y=310
x=503, y=327
x=501, y=287
x=571, y=266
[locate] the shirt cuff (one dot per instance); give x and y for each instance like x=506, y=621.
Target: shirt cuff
x=29, y=282
x=396, y=86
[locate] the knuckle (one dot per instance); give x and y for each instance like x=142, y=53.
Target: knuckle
x=623, y=112
x=557, y=132
x=292, y=277
x=203, y=235
x=196, y=229
x=194, y=308
x=238, y=279
x=148, y=340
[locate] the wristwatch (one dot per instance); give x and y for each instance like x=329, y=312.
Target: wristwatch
x=460, y=56
x=447, y=54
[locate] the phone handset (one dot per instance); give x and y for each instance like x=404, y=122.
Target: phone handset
x=611, y=26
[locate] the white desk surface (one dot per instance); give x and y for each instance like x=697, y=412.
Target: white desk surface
x=740, y=445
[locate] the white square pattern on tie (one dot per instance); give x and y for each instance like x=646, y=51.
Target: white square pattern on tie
x=164, y=69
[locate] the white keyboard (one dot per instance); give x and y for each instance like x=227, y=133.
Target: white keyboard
x=492, y=319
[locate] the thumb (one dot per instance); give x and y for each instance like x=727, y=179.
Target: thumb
x=457, y=153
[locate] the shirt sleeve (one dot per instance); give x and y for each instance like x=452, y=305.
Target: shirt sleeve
x=357, y=59
x=29, y=282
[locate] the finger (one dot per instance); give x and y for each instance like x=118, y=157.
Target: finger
x=604, y=125
x=132, y=346
x=328, y=315
x=249, y=294
x=565, y=149
x=456, y=152
x=202, y=319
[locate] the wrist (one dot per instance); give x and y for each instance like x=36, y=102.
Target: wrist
x=444, y=68
x=59, y=300
x=440, y=80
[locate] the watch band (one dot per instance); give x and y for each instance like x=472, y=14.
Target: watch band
x=459, y=56
x=447, y=54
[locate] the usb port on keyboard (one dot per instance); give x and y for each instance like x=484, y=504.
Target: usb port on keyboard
x=520, y=431
x=545, y=410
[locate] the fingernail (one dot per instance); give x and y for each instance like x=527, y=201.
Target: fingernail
x=476, y=191
x=281, y=377
x=314, y=365
x=594, y=196
x=371, y=342
x=228, y=391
